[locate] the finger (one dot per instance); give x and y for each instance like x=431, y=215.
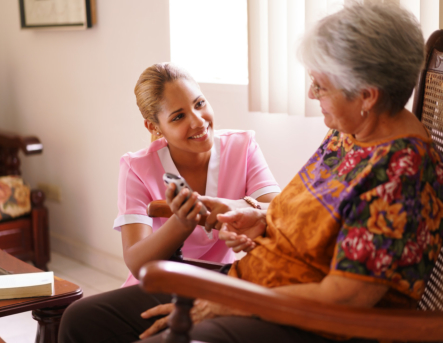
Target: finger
x=189, y=206
x=226, y=235
x=239, y=239
x=170, y=193
x=195, y=213
x=248, y=249
x=159, y=310
x=242, y=247
x=217, y=225
x=235, y=242
x=211, y=221
x=209, y=202
x=179, y=199
x=156, y=327
x=229, y=217
x=184, y=203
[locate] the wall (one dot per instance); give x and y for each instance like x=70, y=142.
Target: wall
x=74, y=90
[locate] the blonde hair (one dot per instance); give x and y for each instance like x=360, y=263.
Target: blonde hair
x=151, y=85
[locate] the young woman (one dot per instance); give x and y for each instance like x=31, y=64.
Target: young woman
x=226, y=164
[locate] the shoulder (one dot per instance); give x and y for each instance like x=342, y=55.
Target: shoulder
x=234, y=136
x=143, y=156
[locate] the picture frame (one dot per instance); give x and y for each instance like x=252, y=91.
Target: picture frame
x=57, y=14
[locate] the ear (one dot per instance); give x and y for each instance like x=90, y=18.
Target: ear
x=370, y=97
x=152, y=128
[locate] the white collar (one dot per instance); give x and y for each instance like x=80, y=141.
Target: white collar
x=213, y=166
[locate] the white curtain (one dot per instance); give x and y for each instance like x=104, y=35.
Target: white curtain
x=277, y=81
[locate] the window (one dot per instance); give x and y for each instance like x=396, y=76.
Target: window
x=209, y=38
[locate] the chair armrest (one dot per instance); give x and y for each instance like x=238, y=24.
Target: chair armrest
x=159, y=208
x=192, y=282
x=37, y=198
x=29, y=145
x=203, y=264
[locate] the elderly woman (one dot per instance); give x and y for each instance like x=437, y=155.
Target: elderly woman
x=360, y=224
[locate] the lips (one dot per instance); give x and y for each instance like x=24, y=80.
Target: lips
x=200, y=135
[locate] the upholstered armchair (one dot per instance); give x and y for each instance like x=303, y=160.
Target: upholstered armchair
x=23, y=216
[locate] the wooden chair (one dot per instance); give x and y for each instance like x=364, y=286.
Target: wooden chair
x=25, y=237
x=188, y=282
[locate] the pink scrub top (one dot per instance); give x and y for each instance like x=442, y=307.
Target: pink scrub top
x=236, y=168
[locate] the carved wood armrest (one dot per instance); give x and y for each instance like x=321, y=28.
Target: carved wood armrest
x=29, y=145
x=10, y=144
x=37, y=198
x=192, y=282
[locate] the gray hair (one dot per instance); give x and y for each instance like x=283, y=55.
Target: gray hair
x=368, y=45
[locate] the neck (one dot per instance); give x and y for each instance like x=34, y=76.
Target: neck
x=189, y=161
x=378, y=126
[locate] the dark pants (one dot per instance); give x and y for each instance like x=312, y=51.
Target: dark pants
x=114, y=316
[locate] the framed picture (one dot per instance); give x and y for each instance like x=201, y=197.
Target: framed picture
x=57, y=14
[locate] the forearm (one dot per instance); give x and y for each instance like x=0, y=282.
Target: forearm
x=263, y=201
x=338, y=290
x=158, y=245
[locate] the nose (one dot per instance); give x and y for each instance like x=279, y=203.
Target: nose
x=311, y=93
x=197, y=119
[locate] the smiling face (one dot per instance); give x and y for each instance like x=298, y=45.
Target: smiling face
x=186, y=118
x=340, y=113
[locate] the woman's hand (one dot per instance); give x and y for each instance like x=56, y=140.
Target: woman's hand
x=240, y=227
x=160, y=324
x=201, y=310
x=204, y=309
x=218, y=206
x=186, y=210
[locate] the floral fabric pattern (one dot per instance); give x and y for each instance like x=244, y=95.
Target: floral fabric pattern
x=15, y=197
x=391, y=216
x=371, y=212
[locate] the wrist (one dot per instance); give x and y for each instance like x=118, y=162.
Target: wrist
x=252, y=202
x=187, y=225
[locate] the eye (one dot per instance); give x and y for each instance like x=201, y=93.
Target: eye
x=201, y=103
x=178, y=117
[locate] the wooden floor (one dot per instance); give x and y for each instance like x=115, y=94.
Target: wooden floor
x=21, y=328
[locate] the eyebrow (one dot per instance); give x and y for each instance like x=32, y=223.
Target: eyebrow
x=181, y=109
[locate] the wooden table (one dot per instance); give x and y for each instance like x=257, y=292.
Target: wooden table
x=46, y=310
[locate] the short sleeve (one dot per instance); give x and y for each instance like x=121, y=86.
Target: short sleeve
x=260, y=180
x=133, y=197
x=391, y=231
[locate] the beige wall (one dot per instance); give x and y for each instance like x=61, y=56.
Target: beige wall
x=74, y=90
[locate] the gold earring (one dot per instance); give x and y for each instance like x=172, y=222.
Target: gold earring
x=158, y=134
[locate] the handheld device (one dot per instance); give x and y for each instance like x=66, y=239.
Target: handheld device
x=181, y=183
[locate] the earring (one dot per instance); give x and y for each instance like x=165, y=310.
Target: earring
x=363, y=112
x=158, y=134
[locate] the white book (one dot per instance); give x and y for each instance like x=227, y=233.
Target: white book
x=26, y=285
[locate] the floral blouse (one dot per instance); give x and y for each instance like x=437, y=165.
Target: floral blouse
x=366, y=211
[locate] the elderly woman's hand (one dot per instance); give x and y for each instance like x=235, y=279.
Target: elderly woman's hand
x=240, y=227
x=204, y=309
x=201, y=310
x=218, y=206
x=160, y=324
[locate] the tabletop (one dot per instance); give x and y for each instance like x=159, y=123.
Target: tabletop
x=65, y=292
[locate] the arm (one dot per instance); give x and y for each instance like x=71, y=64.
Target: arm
x=220, y=205
x=337, y=289
x=241, y=227
x=332, y=289
x=266, y=199
x=141, y=244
